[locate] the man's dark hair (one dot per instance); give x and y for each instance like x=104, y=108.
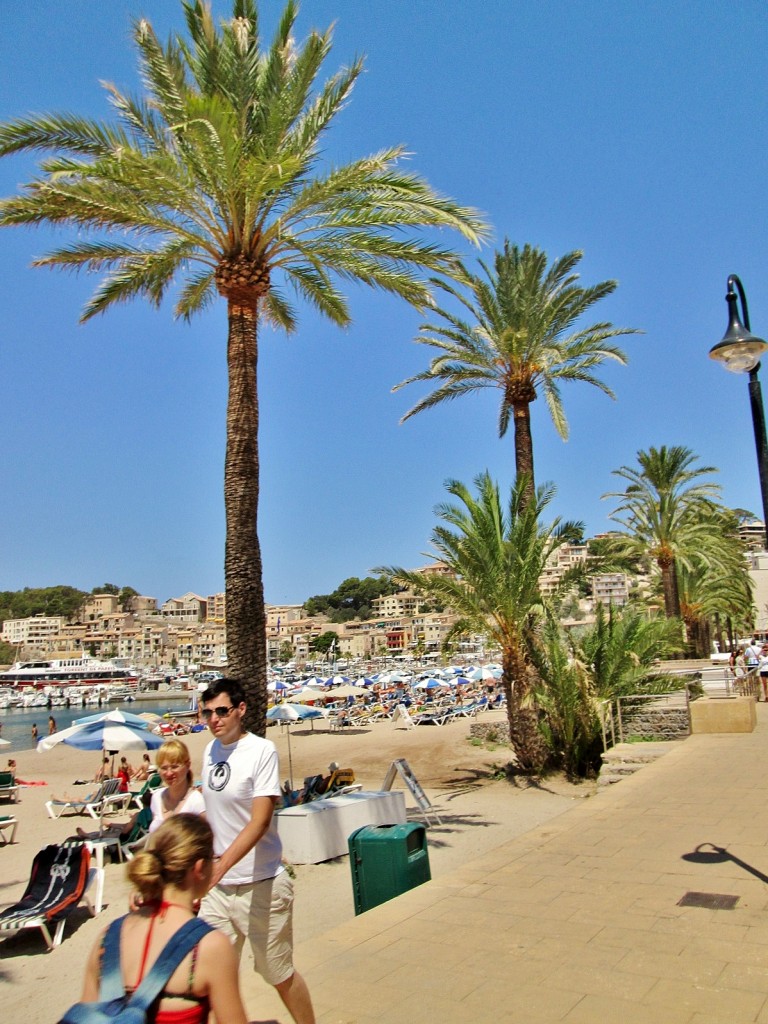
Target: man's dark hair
x=232, y=687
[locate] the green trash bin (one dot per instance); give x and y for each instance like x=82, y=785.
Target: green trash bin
x=387, y=860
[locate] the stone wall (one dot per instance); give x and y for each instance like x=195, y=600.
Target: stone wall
x=492, y=732
x=655, y=723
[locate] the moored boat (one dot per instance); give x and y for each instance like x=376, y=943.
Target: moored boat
x=65, y=672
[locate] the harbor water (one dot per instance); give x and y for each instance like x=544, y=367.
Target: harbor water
x=17, y=722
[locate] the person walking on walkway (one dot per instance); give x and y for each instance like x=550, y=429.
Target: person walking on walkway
x=170, y=874
x=251, y=894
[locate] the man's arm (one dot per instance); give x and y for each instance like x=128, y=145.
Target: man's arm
x=262, y=809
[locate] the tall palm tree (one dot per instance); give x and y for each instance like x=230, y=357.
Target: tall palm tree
x=716, y=586
x=521, y=336
x=497, y=555
x=667, y=511
x=212, y=180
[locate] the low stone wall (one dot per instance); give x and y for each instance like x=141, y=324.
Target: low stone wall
x=491, y=732
x=655, y=723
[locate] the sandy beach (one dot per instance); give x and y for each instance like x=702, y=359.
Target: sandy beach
x=479, y=810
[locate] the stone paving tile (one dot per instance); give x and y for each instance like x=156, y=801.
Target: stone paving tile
x=605, y=1010
x=537, y=1001
x=616, y=983
x=750, y=977
x=667, y=992
x=698, y=969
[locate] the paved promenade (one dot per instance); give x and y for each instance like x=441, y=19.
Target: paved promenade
x=580, y=920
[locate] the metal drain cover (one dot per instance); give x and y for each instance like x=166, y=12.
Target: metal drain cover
x=708, y=900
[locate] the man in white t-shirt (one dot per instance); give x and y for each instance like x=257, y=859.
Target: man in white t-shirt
x=251, y=895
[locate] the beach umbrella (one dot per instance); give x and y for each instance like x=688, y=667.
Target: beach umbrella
x=304, y=695
x=363, y=681
x=110, y=731
x=337, y=680
x=126, y=716
x=428, y=684
x=288, y=713
x=343, y=691
x=484, y=674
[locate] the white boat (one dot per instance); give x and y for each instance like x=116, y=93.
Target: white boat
x=67, y=672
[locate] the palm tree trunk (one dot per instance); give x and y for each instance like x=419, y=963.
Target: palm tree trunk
x=524, y=448
x=669, y=583
x=246, y=617
x=527, y=742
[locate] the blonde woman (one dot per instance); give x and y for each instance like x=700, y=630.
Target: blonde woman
x=177, y=796
x=170, y=874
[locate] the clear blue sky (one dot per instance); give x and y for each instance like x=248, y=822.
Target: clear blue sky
x=634, y=131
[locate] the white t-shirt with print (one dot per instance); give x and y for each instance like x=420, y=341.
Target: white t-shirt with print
x=191, y=804
x=234, y=775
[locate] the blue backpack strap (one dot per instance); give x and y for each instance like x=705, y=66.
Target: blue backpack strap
x=174, y=951
x=111, y=985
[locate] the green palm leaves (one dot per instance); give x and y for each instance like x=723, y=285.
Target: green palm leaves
x=496, y=552
x=213, y=182
x=671, y=513
x=219, y=162
x=518, y=333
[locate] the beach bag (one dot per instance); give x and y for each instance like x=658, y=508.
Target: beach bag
x=115, y=1006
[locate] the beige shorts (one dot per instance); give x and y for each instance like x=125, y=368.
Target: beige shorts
x=262, y=911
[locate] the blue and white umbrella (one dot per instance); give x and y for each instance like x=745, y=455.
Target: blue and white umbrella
x=113, y=730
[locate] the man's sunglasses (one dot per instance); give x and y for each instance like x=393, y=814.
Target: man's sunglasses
x=221, y=712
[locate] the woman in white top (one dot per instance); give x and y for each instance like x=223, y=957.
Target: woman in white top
x=177, y=795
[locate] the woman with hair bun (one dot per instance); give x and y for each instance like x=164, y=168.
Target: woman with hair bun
x=170, y=874
x=178, y=795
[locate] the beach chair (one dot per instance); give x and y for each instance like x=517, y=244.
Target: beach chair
x=9, y=789
x=153, y=782
x=107, y=795
x=8, y=826
x=58, y=883
x=137, y=837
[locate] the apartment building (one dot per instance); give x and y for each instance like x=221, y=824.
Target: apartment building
x=188, y=608
x=566, y=556
x=610, y=589
x=32, y=632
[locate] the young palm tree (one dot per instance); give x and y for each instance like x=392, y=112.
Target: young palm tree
x=667, y=512
x=522, y=336
x=616, y=657
x=212, y=180
x=496, y=555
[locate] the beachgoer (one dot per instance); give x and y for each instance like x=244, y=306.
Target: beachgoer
x=177, y=795
x=12, y=767
x=752, y=655
x=125, y=764
x=142, y=772
x=170, y=874
x=51, y=725
x=34, y=732
x=102, y=772
x=125, y=779
x=762, y=666
x=251, y=894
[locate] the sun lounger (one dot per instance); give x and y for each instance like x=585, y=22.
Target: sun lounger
x=138, y=835
x=8, y=826
x=106, y=797
x=9, y=790
x=153, y=782
x=59, y=881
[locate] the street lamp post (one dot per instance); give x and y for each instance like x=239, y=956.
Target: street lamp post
x=740, y=352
